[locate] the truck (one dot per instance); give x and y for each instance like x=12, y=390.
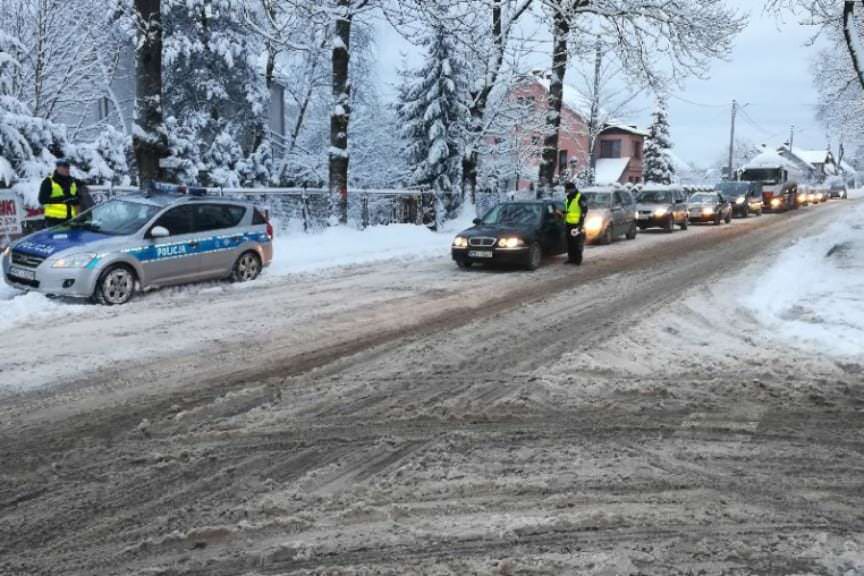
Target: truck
x=772, y=171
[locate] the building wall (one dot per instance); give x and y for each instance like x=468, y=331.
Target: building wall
x=530, y=98
x=632, y=146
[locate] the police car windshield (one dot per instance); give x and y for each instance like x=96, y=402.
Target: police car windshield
x=115, y=217
x=598, y=199
x=514, y=215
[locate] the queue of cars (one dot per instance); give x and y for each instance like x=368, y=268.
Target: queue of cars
x=521, y=233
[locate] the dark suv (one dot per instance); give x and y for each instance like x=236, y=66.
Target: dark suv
x=515, y=233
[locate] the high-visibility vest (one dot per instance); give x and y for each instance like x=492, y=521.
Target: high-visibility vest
x=60, y=210
x=573, y=209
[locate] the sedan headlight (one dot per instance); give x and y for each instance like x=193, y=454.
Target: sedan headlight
x=707, y=210
x=660, y=212
x=775, y=202
x=460, y=242
x=74, y=261
x=510, y=242
x=740, y=200
x=594, y=224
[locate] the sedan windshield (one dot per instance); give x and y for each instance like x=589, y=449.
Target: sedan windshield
x=115, y=217
x=703, y=198
x=514, y=215
x=655, y=197
x=598, y=199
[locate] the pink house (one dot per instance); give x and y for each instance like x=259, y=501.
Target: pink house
x=619, y=152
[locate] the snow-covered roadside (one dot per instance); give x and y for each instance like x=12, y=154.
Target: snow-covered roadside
x=812, y=295
x=294, y=253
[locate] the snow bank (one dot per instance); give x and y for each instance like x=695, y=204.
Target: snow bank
x=343, y=246
x=813, y=294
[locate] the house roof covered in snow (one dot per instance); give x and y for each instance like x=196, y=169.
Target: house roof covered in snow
x=625, y=128
x=610, y=170
x=848, y=168
x=578, y=104
x=809, y=157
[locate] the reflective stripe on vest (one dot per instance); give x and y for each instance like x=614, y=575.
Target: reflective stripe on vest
x=60, y=210
x=573, y=209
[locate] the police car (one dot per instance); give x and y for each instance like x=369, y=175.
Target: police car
x=141, y=242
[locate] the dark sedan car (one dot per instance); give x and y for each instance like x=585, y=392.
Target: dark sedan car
x=745, y=197
x=513, y=233
x=710, y=207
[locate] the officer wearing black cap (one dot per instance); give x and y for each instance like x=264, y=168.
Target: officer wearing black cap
x=61, y=195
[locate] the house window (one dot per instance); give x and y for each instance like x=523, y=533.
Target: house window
x=637, y=150
x=610, y=149
x=562, y=161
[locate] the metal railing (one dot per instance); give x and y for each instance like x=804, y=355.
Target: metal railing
x=314, y=207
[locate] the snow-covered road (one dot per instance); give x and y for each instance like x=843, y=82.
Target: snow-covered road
x=405, y=417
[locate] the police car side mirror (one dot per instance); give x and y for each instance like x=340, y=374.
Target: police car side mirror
x=159, y=232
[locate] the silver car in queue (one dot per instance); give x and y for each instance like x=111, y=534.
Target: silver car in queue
x=142, y=242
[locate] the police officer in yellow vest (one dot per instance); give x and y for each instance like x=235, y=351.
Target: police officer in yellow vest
x=60, y=195
x=575, y=211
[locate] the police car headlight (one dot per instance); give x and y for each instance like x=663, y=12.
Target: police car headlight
x=510, y=242
x=460, y=242
x=74, y=261
x=740, y=200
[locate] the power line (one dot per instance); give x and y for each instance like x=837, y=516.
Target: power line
x=694, y=103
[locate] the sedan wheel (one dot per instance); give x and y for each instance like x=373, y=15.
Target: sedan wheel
x=116, y=287
x=247, y=268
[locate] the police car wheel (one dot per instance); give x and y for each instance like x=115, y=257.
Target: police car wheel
x=116, y=286
x=247, y=268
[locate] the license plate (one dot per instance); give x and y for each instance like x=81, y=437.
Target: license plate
x=21, y=273
x=479, y=254
x=644, y=216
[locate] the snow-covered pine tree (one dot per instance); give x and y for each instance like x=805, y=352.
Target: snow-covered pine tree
x=657, y=166
x=26, y=142
x=213, y=84
x=432, y=108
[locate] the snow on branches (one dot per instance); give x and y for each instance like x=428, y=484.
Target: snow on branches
x=657, y=165
x=434, y=112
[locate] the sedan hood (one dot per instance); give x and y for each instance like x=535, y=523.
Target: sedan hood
x=48, y=243
x=493, y=231
x=652, y=206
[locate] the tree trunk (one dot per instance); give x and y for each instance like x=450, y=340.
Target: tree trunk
x=149, y=138
x=341, y=115
x=853, y=42
x=549, y=158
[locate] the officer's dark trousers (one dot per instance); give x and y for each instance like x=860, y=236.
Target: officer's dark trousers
x=575, y=244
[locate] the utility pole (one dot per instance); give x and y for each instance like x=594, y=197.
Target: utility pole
x=732, y=141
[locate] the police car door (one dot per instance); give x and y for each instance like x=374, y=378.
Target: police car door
x=220, y=236
x=176, y=258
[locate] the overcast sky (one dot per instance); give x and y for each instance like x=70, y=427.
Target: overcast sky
x=769, y=70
